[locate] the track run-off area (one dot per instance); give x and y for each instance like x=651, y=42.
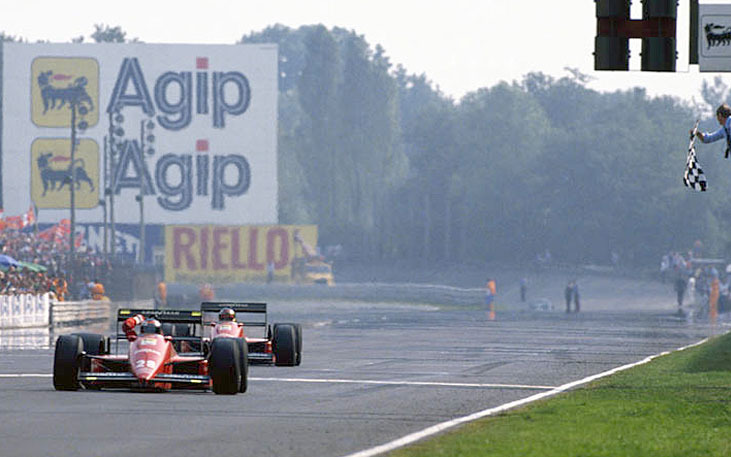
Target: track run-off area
x=371, y=373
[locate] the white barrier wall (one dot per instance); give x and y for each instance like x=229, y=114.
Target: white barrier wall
x=24, y=311
x=25, y=338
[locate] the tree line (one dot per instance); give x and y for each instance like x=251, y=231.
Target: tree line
x=390, y=167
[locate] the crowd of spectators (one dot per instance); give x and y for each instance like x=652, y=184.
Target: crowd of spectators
x=57, y=274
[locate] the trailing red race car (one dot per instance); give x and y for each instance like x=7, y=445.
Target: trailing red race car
x=277, y=344
x=151, y=361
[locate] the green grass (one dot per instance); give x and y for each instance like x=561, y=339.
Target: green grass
x=676, y=405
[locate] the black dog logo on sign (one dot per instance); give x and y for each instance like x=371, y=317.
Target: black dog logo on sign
x=51, y=177
x=717, y=35
x=62, y=95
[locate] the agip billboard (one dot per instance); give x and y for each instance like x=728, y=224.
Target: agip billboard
x=194, y=125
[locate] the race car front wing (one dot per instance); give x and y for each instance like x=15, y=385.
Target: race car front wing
x=122, y=378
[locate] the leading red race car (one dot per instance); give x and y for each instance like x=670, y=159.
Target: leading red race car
x=151, y=361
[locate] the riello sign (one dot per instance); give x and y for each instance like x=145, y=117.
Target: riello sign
x=191, y=127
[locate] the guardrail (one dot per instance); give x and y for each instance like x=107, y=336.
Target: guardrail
x=375, y=292
x=69, y=313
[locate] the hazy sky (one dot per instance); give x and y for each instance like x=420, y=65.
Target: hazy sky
x=461, y=45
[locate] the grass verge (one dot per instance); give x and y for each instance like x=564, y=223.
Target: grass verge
x=676, y=405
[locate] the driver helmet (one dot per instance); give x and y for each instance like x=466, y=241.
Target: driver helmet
x=151, y=326
x=227, y=314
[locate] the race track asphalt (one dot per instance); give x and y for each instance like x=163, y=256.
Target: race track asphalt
x=364, y=381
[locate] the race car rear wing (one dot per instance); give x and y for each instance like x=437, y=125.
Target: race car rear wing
x=193, y=318
x=240, y=308
x=175, y=316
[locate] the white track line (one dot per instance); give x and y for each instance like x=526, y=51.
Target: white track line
x=347, y=381
x=406, y=383
x=434, y=429
x=25, y=375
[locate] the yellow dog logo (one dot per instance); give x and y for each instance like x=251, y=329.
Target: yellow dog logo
x=59, y=83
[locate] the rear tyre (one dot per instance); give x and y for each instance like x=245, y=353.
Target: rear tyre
x=182, y=330
x=66, y=362
x=285, y=345
x=168, y=329
x=297, y=342
x=94, y=344
x=243, y=364
x=224, y=366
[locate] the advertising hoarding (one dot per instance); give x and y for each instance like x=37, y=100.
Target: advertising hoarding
x=194, y=125
x=226, y=254
x=714, y=37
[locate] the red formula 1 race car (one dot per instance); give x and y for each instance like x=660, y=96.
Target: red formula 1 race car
x=151, y=361
x=277, y=344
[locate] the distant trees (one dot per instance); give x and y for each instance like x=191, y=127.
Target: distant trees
x=392, y=168
x=108, y=34
x=9, y=38
x=340, y=152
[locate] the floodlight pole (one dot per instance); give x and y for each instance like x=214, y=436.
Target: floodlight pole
x=103, y=202
x=110, y=188
x=72, y=235
x=141, y=196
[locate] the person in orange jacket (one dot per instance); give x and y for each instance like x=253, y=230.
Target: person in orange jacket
x=97, y=291
x=490, y=293
x=161, y=295
x=62, y=288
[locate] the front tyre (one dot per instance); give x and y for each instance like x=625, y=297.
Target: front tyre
x=66, y=362
x=224, y=366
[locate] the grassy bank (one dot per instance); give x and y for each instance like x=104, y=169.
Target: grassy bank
x=676, y=405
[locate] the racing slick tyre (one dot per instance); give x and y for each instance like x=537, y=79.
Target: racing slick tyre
x=297, y=341
x=168, y=329
x=224, y=366
x=182, y=330
x=66, y=362
x=285, y=345
x=94, y=344
x=243, y=364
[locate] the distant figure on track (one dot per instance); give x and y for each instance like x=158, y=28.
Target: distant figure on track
x=490, y=293
x=523, y=289
x=569, y=295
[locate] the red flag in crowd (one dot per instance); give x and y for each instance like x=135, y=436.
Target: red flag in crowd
x=22, y=221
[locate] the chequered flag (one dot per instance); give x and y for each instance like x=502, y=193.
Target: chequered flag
x=693, y=176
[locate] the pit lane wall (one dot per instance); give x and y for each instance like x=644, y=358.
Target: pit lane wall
x=222, y=254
